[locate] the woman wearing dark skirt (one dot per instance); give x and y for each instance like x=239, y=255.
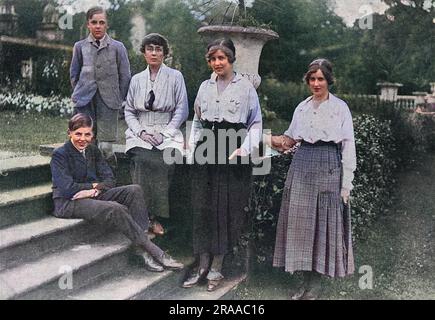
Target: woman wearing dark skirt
x=226, y=128
x=313, y=230
x=156, y=107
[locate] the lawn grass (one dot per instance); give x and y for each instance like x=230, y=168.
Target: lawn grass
x=399, y=249
x=23, y=133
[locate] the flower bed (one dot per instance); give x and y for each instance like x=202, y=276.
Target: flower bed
x=26, y=102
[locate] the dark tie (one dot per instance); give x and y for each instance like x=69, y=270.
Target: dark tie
x=98, y=43
x=150, y=103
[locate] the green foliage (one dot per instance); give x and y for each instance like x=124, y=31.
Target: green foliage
x=307, y=29
x=374, y=177
x=188, y=50
x=30, y=16
x=281, y=97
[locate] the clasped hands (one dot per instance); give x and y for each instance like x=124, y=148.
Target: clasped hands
x=153, y=139
x=91, y=193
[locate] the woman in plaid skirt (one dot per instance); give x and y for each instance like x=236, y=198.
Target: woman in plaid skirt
x=313, y=231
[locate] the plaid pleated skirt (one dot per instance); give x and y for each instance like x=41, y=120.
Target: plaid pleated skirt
x=314, y=226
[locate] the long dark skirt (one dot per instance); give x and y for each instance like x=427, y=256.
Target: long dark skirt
x=314, y=230
x=220, y=199
x=148, y=169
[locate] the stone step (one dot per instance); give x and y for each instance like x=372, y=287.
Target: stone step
x=135, y=284
x=47, y=149
x=224, y=292
x=25, y=204
x=26, y=242
x=24, y=172
x=84, y=264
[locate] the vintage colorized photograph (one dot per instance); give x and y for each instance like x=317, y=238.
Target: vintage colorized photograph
x=204, y=150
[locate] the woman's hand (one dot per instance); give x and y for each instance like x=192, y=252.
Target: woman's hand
x=241, y=152
x=345, y=194
x=153, y=139
x=281, y=143
x=91, y=193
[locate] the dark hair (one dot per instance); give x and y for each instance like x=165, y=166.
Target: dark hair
x=94, y=10
x=225, y=45
x=320, y=64
x=80, y=120
x=155, y=39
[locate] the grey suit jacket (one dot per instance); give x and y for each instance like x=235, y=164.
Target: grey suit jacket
x=105, y=68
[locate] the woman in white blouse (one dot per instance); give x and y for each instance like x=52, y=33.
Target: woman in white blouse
x=313, y=231
x=156, y=107
x=226, y=128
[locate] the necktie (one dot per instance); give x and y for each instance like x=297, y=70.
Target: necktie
x=98, y=43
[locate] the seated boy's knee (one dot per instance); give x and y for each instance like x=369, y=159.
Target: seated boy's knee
x=135, y=188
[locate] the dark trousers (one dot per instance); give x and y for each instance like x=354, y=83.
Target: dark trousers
x=122, y=208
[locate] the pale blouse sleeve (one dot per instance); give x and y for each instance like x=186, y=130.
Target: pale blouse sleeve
x=254, y=123
x=348, y=150
x=291, y=132
x=130, y=112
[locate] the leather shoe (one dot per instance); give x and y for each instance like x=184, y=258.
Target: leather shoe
x=150, y=263
x=195, y=278
x=170, y=263
x=212, y=285
x=215, y=279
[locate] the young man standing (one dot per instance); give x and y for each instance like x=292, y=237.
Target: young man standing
x=100, y=76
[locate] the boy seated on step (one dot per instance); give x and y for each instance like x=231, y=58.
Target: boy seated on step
x=84, y=188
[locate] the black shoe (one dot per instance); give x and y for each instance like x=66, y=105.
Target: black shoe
x=195, y=278
x=170, y=263
x=150, y=263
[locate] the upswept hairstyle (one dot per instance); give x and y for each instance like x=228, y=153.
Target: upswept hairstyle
x=157, y=40
x=80, y=120
x=324, y=65
x=225, y=45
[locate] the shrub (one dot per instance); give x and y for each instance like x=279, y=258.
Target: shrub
x=374, y=176
x=281, y=98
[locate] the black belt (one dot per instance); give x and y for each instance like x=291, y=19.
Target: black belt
x=214, y=125
x=320, y=143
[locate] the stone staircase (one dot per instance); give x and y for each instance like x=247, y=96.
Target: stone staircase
x=43, y=257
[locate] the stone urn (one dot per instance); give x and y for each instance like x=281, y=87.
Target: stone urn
x=389, y=90
x=249, y=42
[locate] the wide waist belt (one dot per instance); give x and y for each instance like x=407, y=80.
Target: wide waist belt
x=320, y=143
x=151, y=118
x=214, y=125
